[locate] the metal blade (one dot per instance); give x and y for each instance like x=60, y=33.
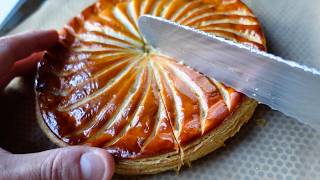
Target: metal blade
x=281, y=84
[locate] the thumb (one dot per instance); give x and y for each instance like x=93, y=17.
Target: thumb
x=78, y=162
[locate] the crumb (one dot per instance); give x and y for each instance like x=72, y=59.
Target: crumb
x=189, y=164
x=177, y=170
x=261, y=122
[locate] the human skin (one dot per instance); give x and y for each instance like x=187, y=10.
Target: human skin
x=19, y=55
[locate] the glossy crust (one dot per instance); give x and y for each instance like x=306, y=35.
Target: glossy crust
x=104, y=86
x=193, y=151
x=174, y=160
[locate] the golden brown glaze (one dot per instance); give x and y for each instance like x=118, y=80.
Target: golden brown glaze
x=102, y=87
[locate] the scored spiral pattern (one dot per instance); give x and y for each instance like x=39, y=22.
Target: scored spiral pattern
x=104, y=86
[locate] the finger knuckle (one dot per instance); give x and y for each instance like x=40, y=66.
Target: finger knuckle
x=52, y=166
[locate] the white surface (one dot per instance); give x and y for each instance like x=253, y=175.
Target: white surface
x=6, y=7
x=52, y=14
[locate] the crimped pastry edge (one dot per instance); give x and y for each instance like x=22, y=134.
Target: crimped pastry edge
x=174, y=160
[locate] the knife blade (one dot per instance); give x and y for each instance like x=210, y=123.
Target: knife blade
x=284, y=85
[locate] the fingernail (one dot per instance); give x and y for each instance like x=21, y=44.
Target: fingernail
x=92, y=165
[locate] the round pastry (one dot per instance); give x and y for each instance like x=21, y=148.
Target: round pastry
x=104, y=86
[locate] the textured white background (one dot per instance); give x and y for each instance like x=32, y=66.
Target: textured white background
x=282, y=149
x=6, y=7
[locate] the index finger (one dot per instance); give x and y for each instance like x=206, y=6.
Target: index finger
x=13, y=48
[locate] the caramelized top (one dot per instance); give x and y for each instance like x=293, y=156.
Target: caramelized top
x=101, y=86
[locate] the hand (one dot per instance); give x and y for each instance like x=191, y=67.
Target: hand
x=18, y=56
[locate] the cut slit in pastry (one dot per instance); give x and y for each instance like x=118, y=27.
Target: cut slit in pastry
x=102, y=86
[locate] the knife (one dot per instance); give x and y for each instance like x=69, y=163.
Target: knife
x=283, y=85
